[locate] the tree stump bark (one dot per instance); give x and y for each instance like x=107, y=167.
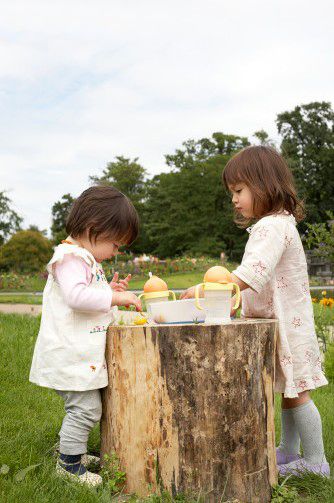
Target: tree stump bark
x=190, y=409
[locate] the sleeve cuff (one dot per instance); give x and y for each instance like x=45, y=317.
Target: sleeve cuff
x=248, y=276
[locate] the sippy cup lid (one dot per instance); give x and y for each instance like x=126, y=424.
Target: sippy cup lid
x=155, y=284
x=217, y=274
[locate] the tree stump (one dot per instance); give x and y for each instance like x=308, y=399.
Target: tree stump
x=190, y=409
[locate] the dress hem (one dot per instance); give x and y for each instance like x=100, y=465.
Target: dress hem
x=305, y=384
x=69, y=388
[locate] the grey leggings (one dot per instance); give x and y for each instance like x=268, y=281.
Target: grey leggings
x=83, y=410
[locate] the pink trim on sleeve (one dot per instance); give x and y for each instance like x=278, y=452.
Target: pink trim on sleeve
x=74, y=277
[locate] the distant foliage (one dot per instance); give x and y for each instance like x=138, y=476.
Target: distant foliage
x=308, y=145
x=10, y=221
x=320, y=237
x=60, y=211
x=26, y=251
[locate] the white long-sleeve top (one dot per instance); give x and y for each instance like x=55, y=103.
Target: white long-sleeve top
x=74, y=277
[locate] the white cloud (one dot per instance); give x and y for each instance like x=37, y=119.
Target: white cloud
x=81, y=82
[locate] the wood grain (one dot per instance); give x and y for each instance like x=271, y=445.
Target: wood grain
x=190, y=408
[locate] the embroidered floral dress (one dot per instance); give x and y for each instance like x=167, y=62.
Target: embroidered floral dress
x=70, y=349
x=274, y=266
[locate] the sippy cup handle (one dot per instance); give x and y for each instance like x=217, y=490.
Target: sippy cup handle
x=197, y=296
x=173, y=294
x=237, y=300
x=139, y=296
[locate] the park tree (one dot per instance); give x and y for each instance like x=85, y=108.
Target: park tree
x=187, y=210
x=60, y=211
x=129, y=177
x=10, y=221
x=35, y=228
x=319, y=237
x=308, y=144
x=263, y=138
x=25, y=252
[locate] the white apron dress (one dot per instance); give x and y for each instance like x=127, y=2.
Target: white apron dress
x=274, y=265
x=70, y=349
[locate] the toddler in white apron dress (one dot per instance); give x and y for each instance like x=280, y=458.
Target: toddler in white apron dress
x=78, y=306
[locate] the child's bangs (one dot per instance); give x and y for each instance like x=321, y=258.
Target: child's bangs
x=124, y=226
x=232, y=173
x=127, y=235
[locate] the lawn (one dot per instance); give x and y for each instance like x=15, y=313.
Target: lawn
x=21, y=299
x=181, y=280
x=16, y=283
x=31, y=417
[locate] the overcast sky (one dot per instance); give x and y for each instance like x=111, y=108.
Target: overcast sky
x=83, y=81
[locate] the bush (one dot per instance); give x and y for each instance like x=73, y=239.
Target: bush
x=12, y=281
x=26, y=251
x=163, y=267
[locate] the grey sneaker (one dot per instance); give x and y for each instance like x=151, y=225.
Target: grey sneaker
x=88, y=460
x=301, y=467
x=284, y=459
x=88, y=478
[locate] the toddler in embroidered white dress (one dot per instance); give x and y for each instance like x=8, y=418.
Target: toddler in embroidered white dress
x=274, y=283
x=78, y=306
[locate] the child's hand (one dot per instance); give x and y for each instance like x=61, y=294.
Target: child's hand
x=190, y=293
x=121, y=285
x=126, y=299
x=234, y=311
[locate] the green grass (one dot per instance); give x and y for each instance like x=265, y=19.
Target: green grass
x=21, y=299
x=326, y=314
x=181, y=280
x=31, y=417
x=175, y=280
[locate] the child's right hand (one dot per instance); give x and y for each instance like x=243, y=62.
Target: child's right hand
x=126, y=299
x=190, y=293
x=234, y=311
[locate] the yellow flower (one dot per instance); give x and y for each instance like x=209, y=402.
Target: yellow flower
x=327, y=302
x=140, y=320
x=324, y=293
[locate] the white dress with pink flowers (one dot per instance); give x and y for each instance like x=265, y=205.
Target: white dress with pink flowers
x=274, y=266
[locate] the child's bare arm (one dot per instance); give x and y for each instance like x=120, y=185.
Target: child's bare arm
x=242, y=285
x=190, y=293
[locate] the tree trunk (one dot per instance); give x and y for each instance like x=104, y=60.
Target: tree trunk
x=190, y=408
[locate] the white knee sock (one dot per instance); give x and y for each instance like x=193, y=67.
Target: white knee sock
x=308, y=423
x=290, y=440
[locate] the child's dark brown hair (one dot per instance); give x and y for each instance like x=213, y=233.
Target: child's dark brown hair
x=269, y=179
x=105, y=213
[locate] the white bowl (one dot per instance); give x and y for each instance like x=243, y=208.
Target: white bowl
x=176, y=311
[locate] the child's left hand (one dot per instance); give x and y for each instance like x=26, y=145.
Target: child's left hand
x=119, y=285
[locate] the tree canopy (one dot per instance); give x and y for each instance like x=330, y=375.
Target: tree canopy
x=186, y=210
x=26, y=251
x=60, y=211
x=10, y=221
x=308, y=144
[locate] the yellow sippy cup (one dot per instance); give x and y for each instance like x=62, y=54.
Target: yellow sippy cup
x=218, y=290
x=155, y=290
